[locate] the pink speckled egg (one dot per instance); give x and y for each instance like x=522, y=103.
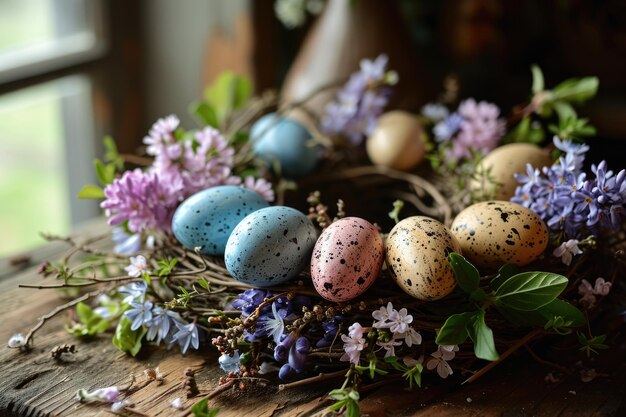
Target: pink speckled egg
x=346, y=259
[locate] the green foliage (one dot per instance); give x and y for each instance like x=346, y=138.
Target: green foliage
x=395, y=213
x=111, y=155
x=127, y=340
x=165, y=267
x=227, y=94
x=105, y=173
x=592, y=344
x=204, y=284
x=505, y=272
x=371, y=369
x=454, y=330
x=538, y=81
x=529, y=291
x=414, y=375
x=348, y=399
x=466, y=274
x=526, y=131
x=482, y=336
x=201, y=409
x=570, y=315
x=90, y=191
x=573, y=128
x=90, y=323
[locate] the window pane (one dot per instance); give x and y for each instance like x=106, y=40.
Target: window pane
x=33, y=186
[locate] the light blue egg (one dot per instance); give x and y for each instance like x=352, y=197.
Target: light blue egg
x=208, y=217
x=284, y=140
x=270, y=246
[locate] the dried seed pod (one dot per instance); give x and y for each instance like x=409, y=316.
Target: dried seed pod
x=189, y=383
x=59, y=350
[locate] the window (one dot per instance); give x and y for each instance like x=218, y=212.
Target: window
x=47, y=135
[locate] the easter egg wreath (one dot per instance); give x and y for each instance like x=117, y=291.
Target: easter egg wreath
x=223, y=240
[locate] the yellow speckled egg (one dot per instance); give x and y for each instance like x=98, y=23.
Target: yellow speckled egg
x=396, y=142
x=493, y=233
x=417, y=255
x=503, y=162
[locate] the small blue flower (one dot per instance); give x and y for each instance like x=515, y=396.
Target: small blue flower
x=286, y=372
x=187, y=335
x=161, y=323
x=139, y=314
x=230, y=363
x=134, y=291
x=125, y=244
x=273, y=326
x=448, y=127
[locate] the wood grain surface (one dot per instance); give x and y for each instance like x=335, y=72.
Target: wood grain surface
x=34, y=384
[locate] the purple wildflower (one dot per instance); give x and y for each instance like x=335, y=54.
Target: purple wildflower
x=160, y=324
x=139, y=314
x=161, y=140
x=186, y=336
x=356, y=108
x=142, y=199
x=481, y=129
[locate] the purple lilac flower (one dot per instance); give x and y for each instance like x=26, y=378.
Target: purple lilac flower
x=356, y=107
x=330, y=327
x=298, y=354
x=286, y=372
x=481, y=129
x=249, y=300
x=230, y=363
x=139, y=314
x=142, y=199
x=186, y=336
x=569, y=200
x=161, y=140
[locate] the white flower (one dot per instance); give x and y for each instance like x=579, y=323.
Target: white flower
x=267, y=368
x=439, y=360
x=411, y=337
x=601, y=287
x=400, y=321
x=177, y=403
x=567, y=250
x=390, y=347
x=138, y=265
x=274, y=326
x=382, y=316
x=17, y=341
x=119, y=406
x=353, y=344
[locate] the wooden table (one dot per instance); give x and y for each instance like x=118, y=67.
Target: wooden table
x=34, y=384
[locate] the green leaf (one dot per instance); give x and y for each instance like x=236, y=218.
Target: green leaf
x=482, y=336
x=466, y=274
x=541, y=316
x=530, y=290
x=105, y=173
x=201, y=409
x=111, y=154
x=84, y=312
x=205, y=114
x=229, y=92
x=90, y=191
x=538, y=82
x=126, y=339
x=204, y=284
x=576, y=90
x=505, y=272
x=454, y=330
x=564, y=110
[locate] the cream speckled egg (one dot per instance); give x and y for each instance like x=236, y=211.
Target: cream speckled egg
x=493, y=233
x=346, y=259
x=505, y=161
x=396, y=142
x=417, y=255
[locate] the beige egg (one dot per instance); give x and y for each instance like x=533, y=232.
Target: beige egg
x=397, y=141
x=502, y=163
x=493, y=233
x=417, y=256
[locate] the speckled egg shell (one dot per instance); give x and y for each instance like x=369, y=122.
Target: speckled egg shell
x=207, y=218
x=270, y=246
x=503, y=163
x=417, y=255
x=493, y=233
x=346, y=259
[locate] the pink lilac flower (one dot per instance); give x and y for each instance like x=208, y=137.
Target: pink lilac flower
x=356, y=107
x=383, y=315
x=390, y=346
x=588, y=292
x=353, y=344
x=161, y=140
x=142, y=199
x=481, y=129
x=567, y=250
x=601, y=287
x=138, y=265
x=439, y=360
x=261, y=186
x=400, y=321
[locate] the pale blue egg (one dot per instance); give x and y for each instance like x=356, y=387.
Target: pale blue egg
x=270, y=246
x=275, y=138
x=208, y=217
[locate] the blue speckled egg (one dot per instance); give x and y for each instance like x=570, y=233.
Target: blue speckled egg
x=208, y=217
x=284, y=140
x=270, y=246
